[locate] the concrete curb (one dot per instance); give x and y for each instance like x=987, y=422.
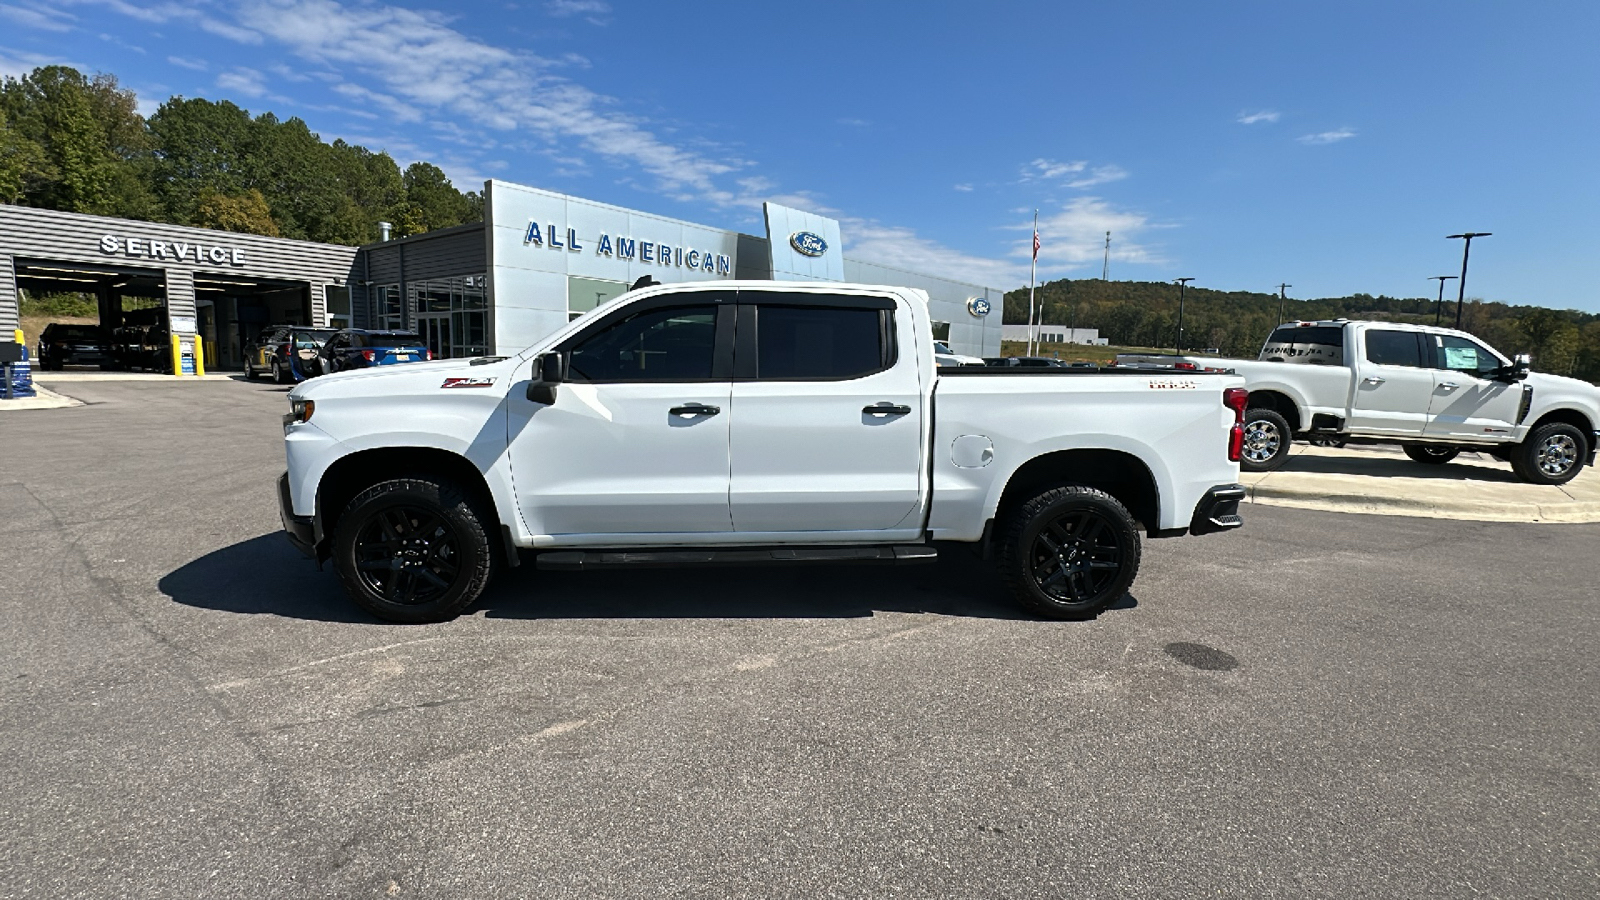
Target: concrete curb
x=1381, y=481
x=45, y=399
x=80, y=377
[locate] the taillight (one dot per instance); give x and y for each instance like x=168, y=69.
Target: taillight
x=427, y=353
x=368, y=355
x=284, y=349
x=1184, y=366
x=1236, y=400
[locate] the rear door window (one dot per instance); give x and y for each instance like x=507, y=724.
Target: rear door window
x=820, y=342
x=1315, y=344
x=1386, y=347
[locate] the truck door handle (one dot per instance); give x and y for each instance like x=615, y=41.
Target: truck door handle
x=885, y=408
x=1449, y=385
x=689, y=410
x=1373, y=379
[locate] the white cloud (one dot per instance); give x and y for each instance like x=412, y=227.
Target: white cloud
x=1099, y=175
x=1263, y=115
x=397, y=110
x=249, y=82
x=1075, y=235
x=1048, y=169
x=1077, y=173
x=17, y=63
x=41, y=17
x=1327, y=137
x=198, y=65
x=964, y=188
x=858, y=123
x=593, y=11
x=902, y=248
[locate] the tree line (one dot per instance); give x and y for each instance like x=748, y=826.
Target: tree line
x=76, y=143
x=1237, y=323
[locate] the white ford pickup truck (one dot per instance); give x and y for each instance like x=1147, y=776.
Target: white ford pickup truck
x=1433, y=391
x=749, y=422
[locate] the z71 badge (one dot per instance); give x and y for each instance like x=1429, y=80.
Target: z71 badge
x=467, y=383
x=1173, y=384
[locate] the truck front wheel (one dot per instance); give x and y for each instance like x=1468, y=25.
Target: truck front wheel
x=1551, y=454
x=413, y=550
x=1070, y=552
x=1266, y=440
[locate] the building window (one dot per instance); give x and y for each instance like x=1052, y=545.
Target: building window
x=338, y=303
x=941, y=331
x=389, y=312
x=451, y=315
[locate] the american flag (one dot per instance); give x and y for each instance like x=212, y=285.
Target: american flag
x=1036, y=243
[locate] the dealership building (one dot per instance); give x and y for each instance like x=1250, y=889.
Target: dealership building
x=537, y=260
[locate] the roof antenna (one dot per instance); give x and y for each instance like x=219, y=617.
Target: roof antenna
x=644, y=282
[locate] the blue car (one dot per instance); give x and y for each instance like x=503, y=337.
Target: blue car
x=359, y=348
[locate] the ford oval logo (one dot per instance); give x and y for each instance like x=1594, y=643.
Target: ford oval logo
x=808, y=244
x=978, y=306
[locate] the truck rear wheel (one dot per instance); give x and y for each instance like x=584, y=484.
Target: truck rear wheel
x=1266, y=440
x=413, y=550
x=1551, y=454
x=1070, y=552
x=1424, y=453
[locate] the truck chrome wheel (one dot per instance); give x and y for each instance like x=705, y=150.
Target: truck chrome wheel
x=1261, y=440
x=407, y=555
x=1557, y=454
x=1076, y=556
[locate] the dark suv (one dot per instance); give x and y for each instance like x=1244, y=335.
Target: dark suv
x=289, y=352
x=61, y=344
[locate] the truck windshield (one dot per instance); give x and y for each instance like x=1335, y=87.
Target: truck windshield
x=1314, y=344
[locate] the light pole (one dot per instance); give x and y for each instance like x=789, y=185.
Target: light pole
x=1466, y=249
x=1439, y=310
x=1281, y=299
x=1182, y=283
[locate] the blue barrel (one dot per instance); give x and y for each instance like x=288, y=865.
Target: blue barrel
x=22, y=376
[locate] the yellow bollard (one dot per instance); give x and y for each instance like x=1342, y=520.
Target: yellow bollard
x=177, y=357
x=199, y=357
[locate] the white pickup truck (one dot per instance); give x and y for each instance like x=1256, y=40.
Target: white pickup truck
x=1434, y=391
x=749, y=422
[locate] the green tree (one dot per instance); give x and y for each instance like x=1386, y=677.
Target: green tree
x=23, y=166
x=1552, y=339
x=200, y=146
x=245, y=212
x=94, y=142
x=436, y=201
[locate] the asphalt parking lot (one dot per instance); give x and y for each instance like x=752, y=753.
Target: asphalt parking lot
x=1321, y=704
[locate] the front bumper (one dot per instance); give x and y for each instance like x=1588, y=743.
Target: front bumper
x=301, y=530
x=1218, y=510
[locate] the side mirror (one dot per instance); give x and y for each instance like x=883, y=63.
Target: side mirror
x=1521, y=365
x=548, y=372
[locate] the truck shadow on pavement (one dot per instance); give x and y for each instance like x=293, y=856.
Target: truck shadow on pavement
x=1384, y=467
x=266, y=576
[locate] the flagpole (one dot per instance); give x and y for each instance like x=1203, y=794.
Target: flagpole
x=1032, y=268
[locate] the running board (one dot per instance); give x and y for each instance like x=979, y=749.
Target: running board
x=611, y=559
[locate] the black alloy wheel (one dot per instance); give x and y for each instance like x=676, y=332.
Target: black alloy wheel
x=413, y=550
x=1070, y=552
x=407, y=555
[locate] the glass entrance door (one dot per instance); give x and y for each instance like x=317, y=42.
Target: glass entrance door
x=435, y=331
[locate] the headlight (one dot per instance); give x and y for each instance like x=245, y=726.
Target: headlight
x=299, y=411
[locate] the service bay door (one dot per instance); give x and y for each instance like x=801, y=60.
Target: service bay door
x=827, y=415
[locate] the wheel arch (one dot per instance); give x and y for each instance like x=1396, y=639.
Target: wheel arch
x=1574, y=417
x=353, y=473
x=1120, y=474
x=1279, y=402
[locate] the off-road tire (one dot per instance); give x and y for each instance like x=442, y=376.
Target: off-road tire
x=417, y=549
x=1266, y=440
x=1023, y=554
x=1538, y=459
x=1436, y=456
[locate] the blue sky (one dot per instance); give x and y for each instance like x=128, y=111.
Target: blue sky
x=1331, y=146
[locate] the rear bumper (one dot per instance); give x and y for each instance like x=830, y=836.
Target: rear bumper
x=1218, y=510
x=1594, y=447
x=301, y=530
